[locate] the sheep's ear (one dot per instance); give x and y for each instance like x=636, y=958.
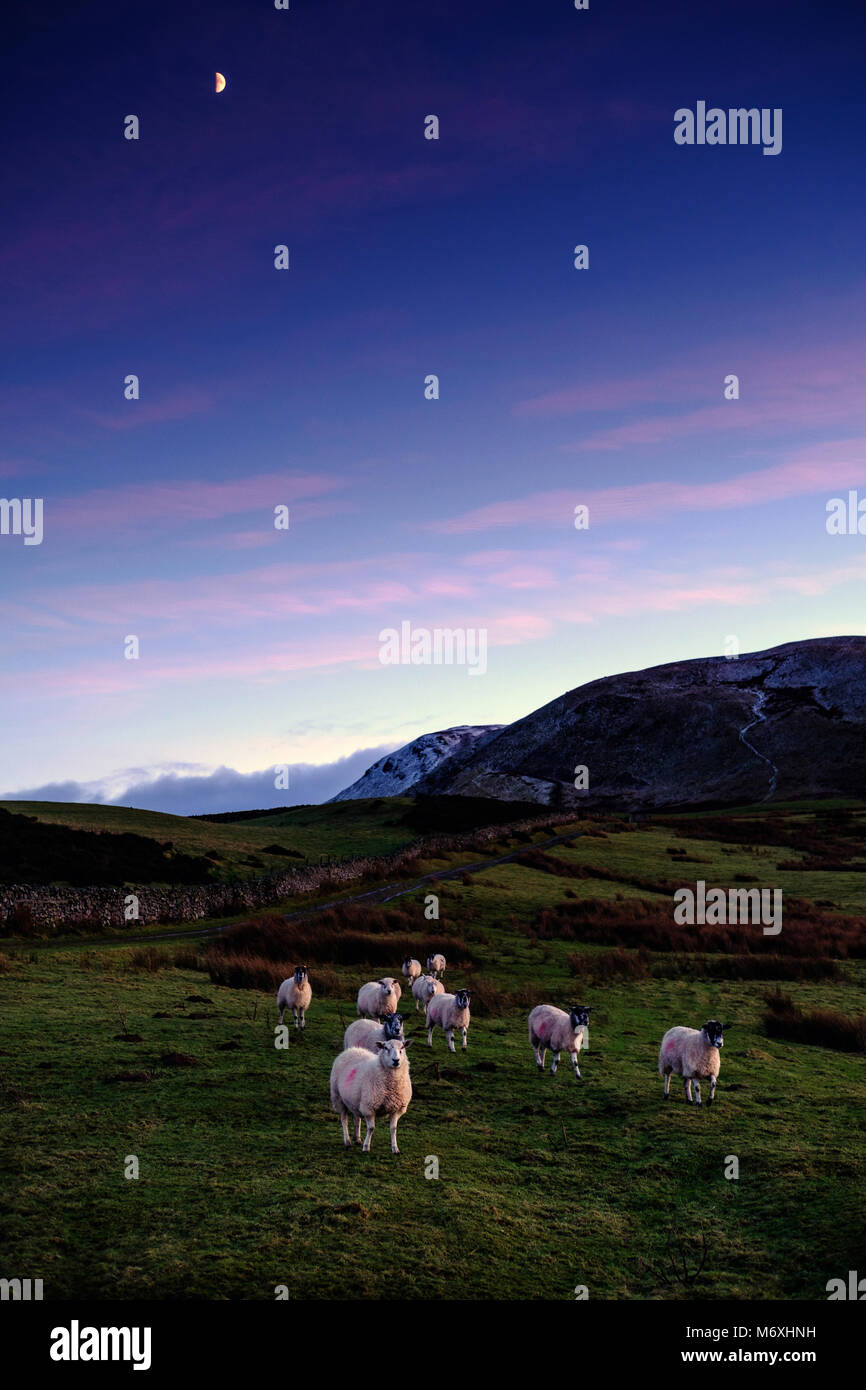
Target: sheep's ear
x=726, y=1026
x=380, y=1044
x=408, y=1042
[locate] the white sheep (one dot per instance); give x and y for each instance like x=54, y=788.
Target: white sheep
x=436, y=965
x=367, y=1084
x=693, y=1054
x=448, y=1011
x=295, y=993
x=395, y=985
x=377, y=998
x=365, y=1032
x=411, y=969
x=553, y=1028
x=424, y=988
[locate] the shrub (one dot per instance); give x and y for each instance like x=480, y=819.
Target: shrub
x=148, y=958
x=818, y=1027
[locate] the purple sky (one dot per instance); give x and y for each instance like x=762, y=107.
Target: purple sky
x=305, y=387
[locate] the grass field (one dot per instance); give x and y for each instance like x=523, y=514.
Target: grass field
x=345, y=828
x=544, y=1183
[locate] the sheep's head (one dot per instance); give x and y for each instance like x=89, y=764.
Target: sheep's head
x=461, y=998
x=392, y=1053
x=713, y=1032
x=300, y=974
x=579, y=1016
x=386, y=986
x=392, y=1026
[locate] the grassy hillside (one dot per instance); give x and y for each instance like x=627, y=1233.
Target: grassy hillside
x=347, y=828
x=544, y=1183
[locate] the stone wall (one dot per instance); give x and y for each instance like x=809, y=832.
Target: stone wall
x=51, y=907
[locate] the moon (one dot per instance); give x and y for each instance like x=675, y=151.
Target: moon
x=220, y=82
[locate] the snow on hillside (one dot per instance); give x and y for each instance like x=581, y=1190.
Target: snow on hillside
x=397, y=772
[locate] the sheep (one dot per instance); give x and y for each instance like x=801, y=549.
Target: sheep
x=411, y=969
x=693, y=1053
x=377, y=998
x=436, y=965
x=448, y=1011
x=365, y=1032
x=424, y=988
x=369, y=1084
x=552, y=1028
x=295, y=993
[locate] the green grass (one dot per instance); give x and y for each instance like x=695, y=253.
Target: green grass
x=345, y=828
x=544, y=1183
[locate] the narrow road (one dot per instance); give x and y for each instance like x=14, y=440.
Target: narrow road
x=387, y=893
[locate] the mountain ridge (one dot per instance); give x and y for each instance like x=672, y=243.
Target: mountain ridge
x=782, y=723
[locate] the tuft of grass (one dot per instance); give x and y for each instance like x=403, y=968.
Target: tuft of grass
x=818, y=1027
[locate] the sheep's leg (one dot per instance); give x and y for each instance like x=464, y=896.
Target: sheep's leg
x=345, y=1124
x=576, y=1067
x=697, y=1085
x=357, y=1129
x=465, y=1044
x=303, y=1013
x=392, y=1125
x=687, y=1083
x=540, y=1054
x=282, y=1011
x=450, y=1036
x=555, y=1062
x=296, y=1014
x=667, y=1084
x=711, y=1097
x=371, y=1125
x=430, y=1036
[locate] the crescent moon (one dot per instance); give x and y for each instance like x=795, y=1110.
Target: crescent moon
x=220, y=82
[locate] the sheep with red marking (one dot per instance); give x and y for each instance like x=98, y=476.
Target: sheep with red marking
x=553, y=1028
x=693, y=1054
x=366, y=1084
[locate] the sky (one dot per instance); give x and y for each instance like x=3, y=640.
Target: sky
x=259, y=648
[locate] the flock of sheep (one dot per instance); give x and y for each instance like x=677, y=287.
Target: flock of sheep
x=370, y=1077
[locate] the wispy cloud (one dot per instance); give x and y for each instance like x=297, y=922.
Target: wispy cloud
x=827, y=466
x=176, y=405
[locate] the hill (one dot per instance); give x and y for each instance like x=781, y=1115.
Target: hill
x=780, y=724
x=398, y=772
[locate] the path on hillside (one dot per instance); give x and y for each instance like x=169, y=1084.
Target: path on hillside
x=386, y=893
x=760, y=718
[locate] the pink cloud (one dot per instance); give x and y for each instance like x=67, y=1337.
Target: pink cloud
x=172, y=503
x=834, y=465
x=177, y=405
